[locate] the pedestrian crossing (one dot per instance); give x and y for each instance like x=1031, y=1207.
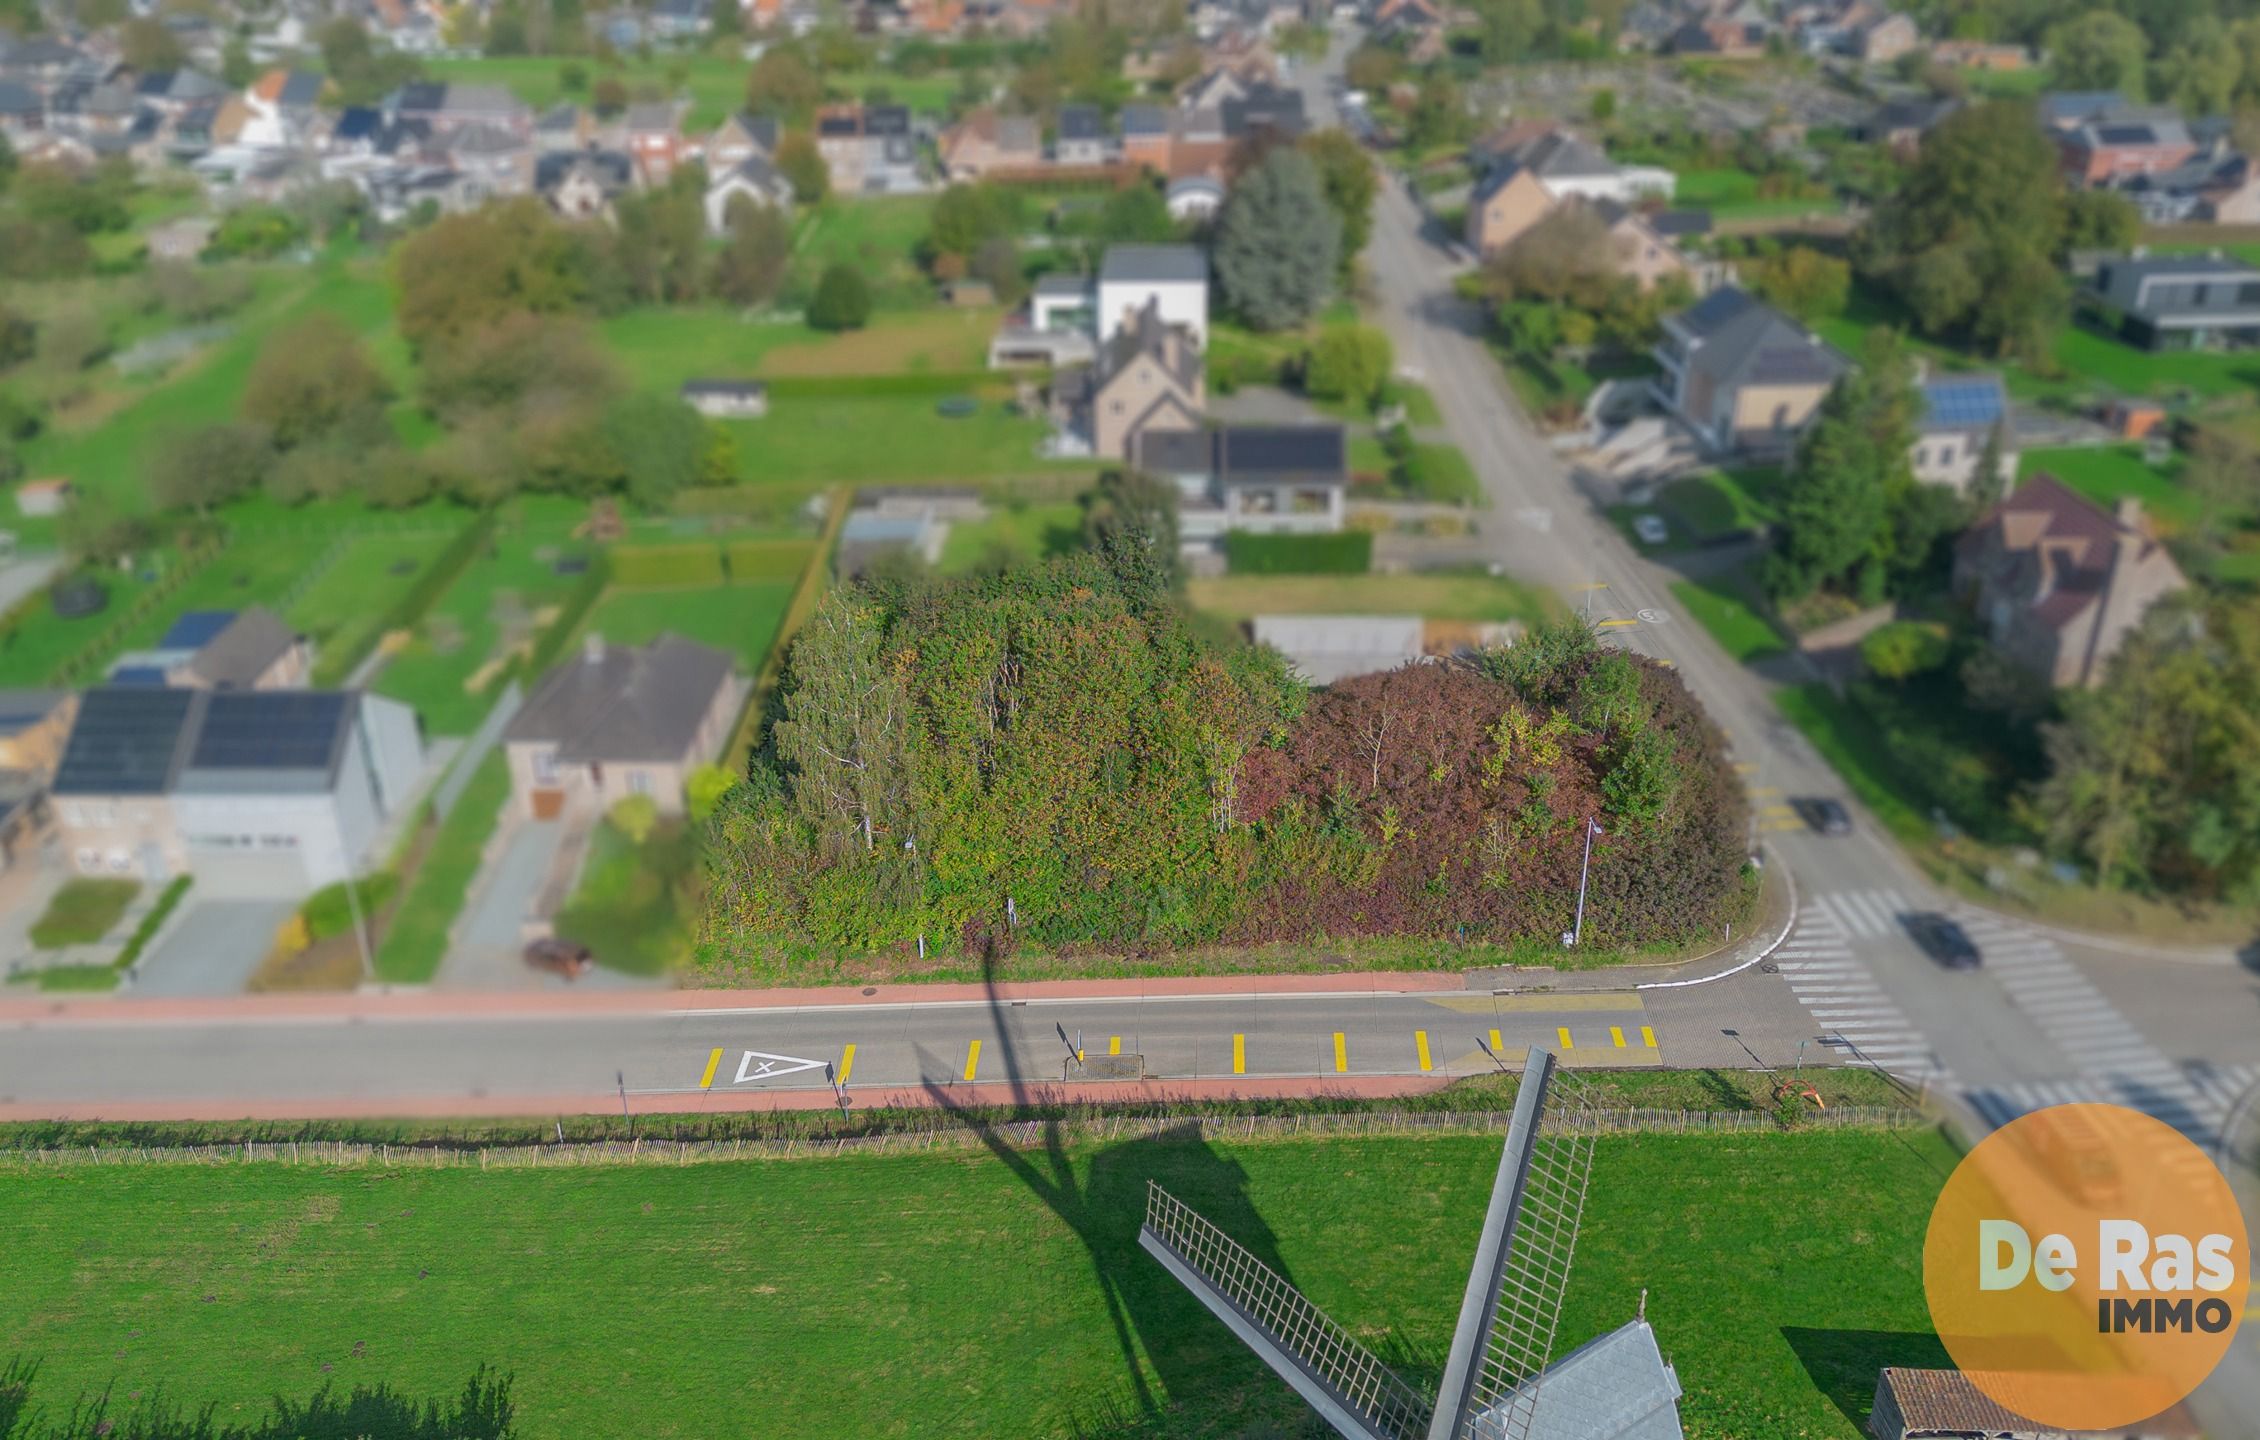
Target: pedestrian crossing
x=1864, y=1025
x=2115, y=1063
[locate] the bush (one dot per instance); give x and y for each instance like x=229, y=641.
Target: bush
x=1350, y=362
x=705, y=789
x=1348, y=553
x=254, y=232
x=635, y=817
x=648, y=566
x=843, y=300
x=1905, y=648
x=329, y=910
x=154, y=921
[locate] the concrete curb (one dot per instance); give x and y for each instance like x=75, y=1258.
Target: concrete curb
x=1788, y=923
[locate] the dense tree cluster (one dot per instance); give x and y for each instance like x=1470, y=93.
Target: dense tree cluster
x=1279, y=243
x=2203, y=55
x=1063, y=738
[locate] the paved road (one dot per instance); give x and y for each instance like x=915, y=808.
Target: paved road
x=124, y=1060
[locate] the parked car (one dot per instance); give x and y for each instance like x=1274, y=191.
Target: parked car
x=564, y=958
x=1943, y=940
x=1651, y=528
x=1820, y=813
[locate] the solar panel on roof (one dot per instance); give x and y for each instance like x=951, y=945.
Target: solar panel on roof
x=194, y=630
x=269, y=730
x=1965, y=402
x=124, y=740
x=2124, y=134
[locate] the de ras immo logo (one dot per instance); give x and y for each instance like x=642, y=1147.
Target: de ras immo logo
x=2087, y=1266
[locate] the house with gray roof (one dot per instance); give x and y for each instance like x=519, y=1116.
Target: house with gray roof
x=1745, y=377
x=622, y=720
x=1269, y=479
x=1173, y=277
x=2178, y=302
x=254, y=792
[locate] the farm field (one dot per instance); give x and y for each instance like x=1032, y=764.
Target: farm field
x=945, y=1294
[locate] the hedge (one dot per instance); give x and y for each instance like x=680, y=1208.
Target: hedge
x=552, y=642
x=763, y=560
x=654, y=566
x=873, y=387
x=1348, y=552
x=329, y=910
x=146, y=931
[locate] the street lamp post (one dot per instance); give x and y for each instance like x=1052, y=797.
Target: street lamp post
x=1577, y=928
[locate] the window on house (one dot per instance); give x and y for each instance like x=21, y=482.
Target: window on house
x=1922, y=457
x=545, y=767
x=639, y=782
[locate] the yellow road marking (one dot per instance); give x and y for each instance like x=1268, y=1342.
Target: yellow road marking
x=1762, y=791
x=1593, y=585
x=1745, y=767
x=1567, y=1043
x=714, y=1060
x=1420, y=1043
x=847, y=1063
x=1239, y=1054
x=1647, y=1037
x=1495, y=1046
x=1341, y=1053
x=1779, y=807
x=1555, y=1003
x=1614, y=624
x=972, y=1058
x=1114, y=1044
x=1616, y=1036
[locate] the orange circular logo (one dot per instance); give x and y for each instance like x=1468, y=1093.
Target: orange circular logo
x=2086, y=1266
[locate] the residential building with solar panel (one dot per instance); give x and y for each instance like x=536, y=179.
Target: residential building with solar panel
x=1961, y=415
x=270, y=793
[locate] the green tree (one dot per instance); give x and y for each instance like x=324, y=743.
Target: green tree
x=1905, y=648
x=2224, y=475
x=1279, y=243
x=966, y=217
x=1351, y=182
x=2099, y=50
x=1136, y=214
x=754, y=254
x=210, y=467
x=842, y=735
x=1989, y=481
x=635, y=817
x=842, y=301
x=704, y=790
x=1850, y=468
x=1805, y=282
x=1349, y=362
x=2099, y=220
x=313, y=380
x=661, y=446
x=1130, y=522
x=782, y=82
x=799, y=161
x=18, y=336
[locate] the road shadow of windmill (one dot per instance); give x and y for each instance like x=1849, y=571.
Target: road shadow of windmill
x=1171, y=1350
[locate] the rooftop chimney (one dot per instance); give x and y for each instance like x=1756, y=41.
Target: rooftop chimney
x=592, y=647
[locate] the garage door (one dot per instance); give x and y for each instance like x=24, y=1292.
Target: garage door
x=268, y=876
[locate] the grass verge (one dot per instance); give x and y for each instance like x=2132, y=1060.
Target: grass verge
x=82, y=912
x=413, y=947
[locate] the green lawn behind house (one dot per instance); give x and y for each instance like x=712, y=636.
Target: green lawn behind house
x=1024, y=532
x=871, y=1295
x=742, y=619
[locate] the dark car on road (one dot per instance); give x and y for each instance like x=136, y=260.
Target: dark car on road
x=565, y=958
x=1943, y=941
x=1827, y=816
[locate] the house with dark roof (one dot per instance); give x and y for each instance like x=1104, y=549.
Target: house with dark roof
x=2178, y=302
x=1149, y=376
x=1270, y=479
x=2115, y=147
x=249, y=649
x=254, y=792
x=739, y=138
x=1530, y=167
x=582, y=184
x=757, y=180
x=2059, y=582
x=1174, y=278
x=1745, y=377
x=1899, y=124
x=621, y=720
x=1081, y=137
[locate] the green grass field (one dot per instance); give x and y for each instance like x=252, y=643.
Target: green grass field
x=1027, y=532
x=714, y=84
x=947, y=1294
x=1722, y=605
x=808, y=442
x=742, y=619
x=1733, y=195
x=1858, y=753
x=2106, y=474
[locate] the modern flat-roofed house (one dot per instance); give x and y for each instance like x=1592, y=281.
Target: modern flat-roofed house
x=621, y=720
x=1172, y=277
x=267, y=792
x=1081, y=138
x=2179, y=302
x=1270, y=479
x=1744, y=376
x=1961, y=415
x=2059, y=582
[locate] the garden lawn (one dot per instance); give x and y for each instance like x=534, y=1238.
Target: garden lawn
x=1860, y=756
x=415, y=940
x=877, y=234
x=1723, y=606
x=82, y=912
x=741, y=619
x=1733, y=195
x=515, y=579
x=714, y=84
x=2110, y=473
x=1723, y=504
x=946, y=1294
x=342, y=607
x=811, y=441
x=1026, y=532
x=1445, y=595
x=34, y=651
x=629, y=908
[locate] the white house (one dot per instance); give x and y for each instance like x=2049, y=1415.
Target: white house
x=1961, y=415
x=1175, y=276
x=254, y=792
x=1195, y=199
x=753, y=177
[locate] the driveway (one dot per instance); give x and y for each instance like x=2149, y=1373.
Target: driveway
x=489, y=943
x=213, y=948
